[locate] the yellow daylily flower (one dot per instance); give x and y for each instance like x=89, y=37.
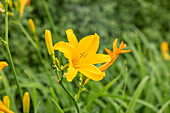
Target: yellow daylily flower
x=82, y=56
x=113, y=55
x=2, y=65
x=4, y=108
x=22, y=5
x=165, y=50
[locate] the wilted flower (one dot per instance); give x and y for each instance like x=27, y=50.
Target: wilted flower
x=1, y=8
x=113, y=55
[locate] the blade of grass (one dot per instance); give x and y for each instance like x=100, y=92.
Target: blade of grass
x=104, y=89
x=164, y=107
x=8, y=91
x=54, y=98
x=136, y=95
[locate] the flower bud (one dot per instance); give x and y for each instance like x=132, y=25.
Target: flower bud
x=31, y=25
x=6, y=101
x=48, y=40
x=3, y=64
x=57, y=62
x=26, y=103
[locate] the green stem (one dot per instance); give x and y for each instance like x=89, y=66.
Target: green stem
x=8, y=51
x=26, y=33
x=71, y=96
x=13, y=70
x=42, y=61
x=62, y=85
x=50, y=18
x=6, y=22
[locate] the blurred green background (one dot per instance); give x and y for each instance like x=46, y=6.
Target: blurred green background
x=141, y=24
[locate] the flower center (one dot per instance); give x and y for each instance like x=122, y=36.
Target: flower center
x=83, y=55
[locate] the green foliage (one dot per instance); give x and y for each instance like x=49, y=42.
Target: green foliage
x=141, y=24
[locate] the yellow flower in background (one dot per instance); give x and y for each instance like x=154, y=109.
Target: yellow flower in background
x=4, y=108
x=113, y=55
x=31, y=25
x=22, y=5
x=26, y=103
x=49, y=43
x=6, y=101
x=2, y=65
x=165, y=50
x=82, y=56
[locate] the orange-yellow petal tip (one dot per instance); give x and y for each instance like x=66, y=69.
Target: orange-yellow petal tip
x=3, y=64
x=4, y=108
x=164, y=46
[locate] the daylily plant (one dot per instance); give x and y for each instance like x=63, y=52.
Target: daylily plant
x=82, y=56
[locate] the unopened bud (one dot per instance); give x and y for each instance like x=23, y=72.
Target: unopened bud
x=31, y=25
x=26, y=103
x=48, y=40
x=6, y=101
x=64, y=67
x=57, y=62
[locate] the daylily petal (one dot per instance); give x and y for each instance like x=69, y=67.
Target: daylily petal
x=107, y=64
x=71, y=73
x=3, y=64
x=22, y=5
x=91, y=72
x=96, y=58
x=0, y=77
x=71, y=37
x=124, y=51
x=109, y=52
x=89, y=44
x=4, y=108
x=65, y=48
x=114, y=45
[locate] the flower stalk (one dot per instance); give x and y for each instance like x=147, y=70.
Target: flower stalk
x=8, y=51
